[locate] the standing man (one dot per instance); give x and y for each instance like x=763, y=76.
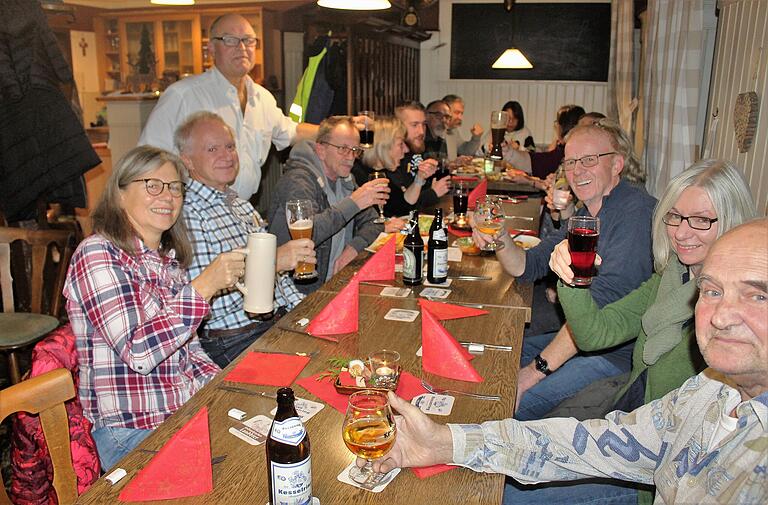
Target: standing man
x=319, y=171
x=218, y=221
x=454, y=141
x=438, y=116
x=227, y=89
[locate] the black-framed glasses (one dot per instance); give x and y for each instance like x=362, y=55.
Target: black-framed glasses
x=695, y=222
x=232, y=41
x=346, y=150
x=439, y=114
x=587, y=161
x=155, y=186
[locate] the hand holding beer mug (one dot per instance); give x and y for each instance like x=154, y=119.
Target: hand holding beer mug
x=583, y=232
x=298, y=214
x=369, y=432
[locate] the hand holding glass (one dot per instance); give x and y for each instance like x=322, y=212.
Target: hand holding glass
x=583, y=233
x=298, y=214
x=369, y=432
x=489, y=219
x=378, y=174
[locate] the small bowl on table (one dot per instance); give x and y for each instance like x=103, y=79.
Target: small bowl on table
x=468, y=246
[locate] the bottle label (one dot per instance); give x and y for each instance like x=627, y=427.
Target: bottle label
x=439, y=234
x=440, y=263
x=291, y=482
x=409, y=264
x=289, y=431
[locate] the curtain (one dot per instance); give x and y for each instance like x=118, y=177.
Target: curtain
x=670, y=83
x=621, y=101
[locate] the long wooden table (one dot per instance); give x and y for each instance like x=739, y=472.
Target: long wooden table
x=241, y=478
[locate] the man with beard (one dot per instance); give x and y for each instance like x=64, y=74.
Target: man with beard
x=438, y=116
x=455, y=143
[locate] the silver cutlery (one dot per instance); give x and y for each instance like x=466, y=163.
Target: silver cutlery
x=297, y=353
x=438, y=391
x=470, y=277
x=488, y=346
x=524, y=218
x=243, y=391
x=472, y=305
x=214, y=460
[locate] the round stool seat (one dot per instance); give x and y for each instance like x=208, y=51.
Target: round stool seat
x=19, y=329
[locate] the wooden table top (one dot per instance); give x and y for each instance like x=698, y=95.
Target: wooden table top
x=242, y=477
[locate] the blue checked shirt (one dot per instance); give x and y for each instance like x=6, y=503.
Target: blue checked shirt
x=219, y=222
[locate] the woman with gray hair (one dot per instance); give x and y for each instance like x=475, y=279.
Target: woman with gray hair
x=133, y=311
x=406, y=192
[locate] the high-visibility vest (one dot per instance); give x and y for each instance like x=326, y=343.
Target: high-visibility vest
x=304, y=89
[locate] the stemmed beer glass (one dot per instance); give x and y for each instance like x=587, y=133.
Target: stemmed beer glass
x=298, y=215
x=489, y=219
x=369, y=432
x=379, y=174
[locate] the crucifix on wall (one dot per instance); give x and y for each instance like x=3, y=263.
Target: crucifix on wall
x=83, y=44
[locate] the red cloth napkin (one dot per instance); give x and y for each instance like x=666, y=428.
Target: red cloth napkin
x=459, y=232
x=180, y=469
x=445, y=311
x=477, y=193
x=339, y=316
x=515, y=231
x=268, y=369
x=442, y=354
x=381, y=266
x=408, y=387
x=429, y=471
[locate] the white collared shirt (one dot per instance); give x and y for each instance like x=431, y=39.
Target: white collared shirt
x=262, y=124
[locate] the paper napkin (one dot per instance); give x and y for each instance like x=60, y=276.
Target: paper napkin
x=268, y=369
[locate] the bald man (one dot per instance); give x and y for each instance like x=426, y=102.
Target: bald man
x=227, y=89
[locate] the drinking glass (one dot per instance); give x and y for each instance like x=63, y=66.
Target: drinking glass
x=498, y=128
x=366, y=134
x=379, y=174
x=561, y=192
x=369, y=432
x=583, y=233
x=489, y=219
x=460, y=200
x=298, y=214
x=385, y=368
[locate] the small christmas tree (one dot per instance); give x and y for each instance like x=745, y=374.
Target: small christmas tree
x=146, y=63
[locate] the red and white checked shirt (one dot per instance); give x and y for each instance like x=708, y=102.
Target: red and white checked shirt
x=135, y=319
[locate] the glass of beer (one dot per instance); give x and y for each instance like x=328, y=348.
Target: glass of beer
x=366, y=134
x=460, y=199
x=379, y=174
x=498, y=128
x=298, y=214
x=489, y=219
x=583, y=232
x=369, y=432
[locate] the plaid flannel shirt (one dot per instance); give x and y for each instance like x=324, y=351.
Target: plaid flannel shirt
x=218, y=222
x=134, y=318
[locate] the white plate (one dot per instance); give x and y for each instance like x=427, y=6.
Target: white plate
x=527, y=241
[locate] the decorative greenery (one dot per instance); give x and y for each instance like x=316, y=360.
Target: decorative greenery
x=335, y=365
x=146, y=61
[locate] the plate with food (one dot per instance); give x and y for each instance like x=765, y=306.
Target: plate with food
x=526, y=241
x=382, y=239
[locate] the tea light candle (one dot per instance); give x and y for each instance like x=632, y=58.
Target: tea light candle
x=384, y=370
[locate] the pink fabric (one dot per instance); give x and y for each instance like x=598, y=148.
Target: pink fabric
x=268, y=369
x=31, y=467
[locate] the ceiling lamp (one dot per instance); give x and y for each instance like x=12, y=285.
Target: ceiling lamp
x=172, y=2
x=355, y=5
x=512, y=58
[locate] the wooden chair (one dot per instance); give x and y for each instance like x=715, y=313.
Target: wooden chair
x=45, y=395
x=18, y=330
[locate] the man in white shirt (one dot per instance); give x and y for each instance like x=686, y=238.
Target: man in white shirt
x=455, y=143
x=227, y=89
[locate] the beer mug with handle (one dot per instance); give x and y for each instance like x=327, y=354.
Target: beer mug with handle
x=258, y=286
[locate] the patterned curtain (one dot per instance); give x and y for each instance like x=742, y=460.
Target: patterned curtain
x=621, y=100
x=673, y=40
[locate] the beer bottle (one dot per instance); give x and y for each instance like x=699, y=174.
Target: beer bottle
x=413, y=253
x=437, y=251
x=289, y=467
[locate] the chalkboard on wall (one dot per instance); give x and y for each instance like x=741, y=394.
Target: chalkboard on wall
x=563, y=41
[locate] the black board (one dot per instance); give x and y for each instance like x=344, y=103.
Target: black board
x=563, y=41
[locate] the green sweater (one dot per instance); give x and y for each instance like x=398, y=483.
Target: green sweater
x=595, y=329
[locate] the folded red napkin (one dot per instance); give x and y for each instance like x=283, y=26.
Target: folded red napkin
x=459, y=232
x=515, y=231
x=463, y=178
x=268, y=369
x=381, y=266
x=429, y=471
x=477, y=193
x=182, y=468
x=442, y=354
x=445, y=311
x=408, y=387
x=339, y=316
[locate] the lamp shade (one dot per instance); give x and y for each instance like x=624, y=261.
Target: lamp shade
x=355, y=5
x=512, y=58
x=172, y=2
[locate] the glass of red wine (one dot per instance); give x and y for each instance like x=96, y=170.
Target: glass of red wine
x=366, y=134
x=583, y=232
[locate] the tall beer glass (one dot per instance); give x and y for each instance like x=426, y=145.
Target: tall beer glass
x=298, y=214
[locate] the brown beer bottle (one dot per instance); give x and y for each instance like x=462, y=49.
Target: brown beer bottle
x=289, y=466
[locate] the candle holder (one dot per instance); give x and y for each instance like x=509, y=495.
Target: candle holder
x=385, y=368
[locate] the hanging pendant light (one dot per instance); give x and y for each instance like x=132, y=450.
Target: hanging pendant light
x=172, y=2
x=355, y=5
x=512, y=58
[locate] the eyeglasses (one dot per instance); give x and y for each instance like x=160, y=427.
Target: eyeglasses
x=439, y=114
x=232, y=41
x=155, y=186
x=346, y=150
x=695, y=222
x=587, y=161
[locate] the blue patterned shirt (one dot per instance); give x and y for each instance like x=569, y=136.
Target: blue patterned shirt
x=219, y=222
x=671, y=442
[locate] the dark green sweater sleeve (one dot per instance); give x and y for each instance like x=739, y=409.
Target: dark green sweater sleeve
x=595, y=329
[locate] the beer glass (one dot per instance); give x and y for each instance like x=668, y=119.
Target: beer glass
x=489, y=219
x=298, y=214
x=366, y=134
x=369, y=432
x=460, y=200
x=379, y=174
x=498, y=128
x=583, y=232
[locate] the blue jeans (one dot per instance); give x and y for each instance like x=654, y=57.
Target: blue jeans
x=113, y=443
x=575, y=374
x=224, y=349
x=581, y=492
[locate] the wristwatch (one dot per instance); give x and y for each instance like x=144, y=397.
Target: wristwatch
x=541, y=365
